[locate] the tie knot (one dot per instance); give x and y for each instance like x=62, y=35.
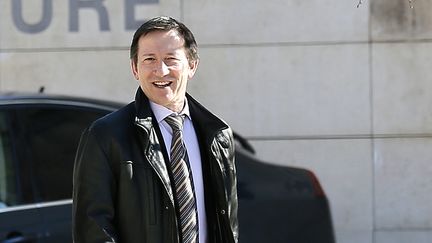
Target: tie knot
x=175, y=121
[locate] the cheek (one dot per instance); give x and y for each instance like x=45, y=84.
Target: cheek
x=143, y=73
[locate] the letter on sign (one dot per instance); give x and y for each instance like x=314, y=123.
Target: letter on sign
x=19, y=22
x=75, y=5
x=131, y=22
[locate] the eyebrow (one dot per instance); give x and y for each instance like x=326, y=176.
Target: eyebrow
x=167, y=54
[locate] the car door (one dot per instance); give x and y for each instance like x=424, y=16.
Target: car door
x=38, y=147
x=51, y=136
x=20, y=220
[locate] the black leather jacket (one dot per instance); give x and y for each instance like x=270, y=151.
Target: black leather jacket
x=122, y=191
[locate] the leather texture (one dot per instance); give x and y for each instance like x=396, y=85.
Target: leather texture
x=122, y=190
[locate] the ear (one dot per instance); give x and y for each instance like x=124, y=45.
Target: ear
x=134, y=69
x=193, y=65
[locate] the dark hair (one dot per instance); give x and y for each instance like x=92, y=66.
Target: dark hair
x=163, y=23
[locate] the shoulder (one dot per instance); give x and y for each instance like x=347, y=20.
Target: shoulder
x=115, y=122
x=203, y=115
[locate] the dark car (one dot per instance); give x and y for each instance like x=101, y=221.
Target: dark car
x=39, y=137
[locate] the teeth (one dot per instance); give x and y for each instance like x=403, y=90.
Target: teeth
x=161, y=83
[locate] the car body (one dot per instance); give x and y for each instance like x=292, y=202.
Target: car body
x=39, y=137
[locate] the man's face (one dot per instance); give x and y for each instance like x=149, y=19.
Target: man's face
x=163, y=68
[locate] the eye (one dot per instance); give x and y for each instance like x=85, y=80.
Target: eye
x=148, y=60
x=171, y=60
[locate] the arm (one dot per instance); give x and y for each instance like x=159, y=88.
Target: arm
x=93, y=193
x=227, y=154
x=232, y=197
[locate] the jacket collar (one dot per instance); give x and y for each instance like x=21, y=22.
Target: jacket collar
x=142, y=105
x=206, y=121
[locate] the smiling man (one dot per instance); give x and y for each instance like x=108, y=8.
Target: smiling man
x=161, y=169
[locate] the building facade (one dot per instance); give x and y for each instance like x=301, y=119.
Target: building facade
x=342, y=90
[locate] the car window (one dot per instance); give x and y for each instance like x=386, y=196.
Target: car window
x=52, y=136
x=8, y=180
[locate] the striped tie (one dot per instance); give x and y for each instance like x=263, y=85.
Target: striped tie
x=187, y=211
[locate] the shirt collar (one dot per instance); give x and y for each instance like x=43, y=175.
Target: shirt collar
x=161, y=112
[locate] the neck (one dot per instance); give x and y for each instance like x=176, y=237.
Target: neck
x=176, y=107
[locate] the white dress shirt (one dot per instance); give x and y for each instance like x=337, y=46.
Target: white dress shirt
x=193, y=151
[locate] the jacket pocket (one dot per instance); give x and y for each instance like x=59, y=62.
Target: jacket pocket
x=151, y=196
x=138, y=188
x=126, y=170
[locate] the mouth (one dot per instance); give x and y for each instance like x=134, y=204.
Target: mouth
x=162, y=84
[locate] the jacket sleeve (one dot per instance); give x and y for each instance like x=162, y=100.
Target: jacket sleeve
x=233, y=199
x=93, y=193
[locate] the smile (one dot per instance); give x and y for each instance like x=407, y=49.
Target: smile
x=162, y=84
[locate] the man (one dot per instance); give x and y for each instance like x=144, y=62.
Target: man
x=161, y=169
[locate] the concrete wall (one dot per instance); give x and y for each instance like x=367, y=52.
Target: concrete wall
x=341, y=90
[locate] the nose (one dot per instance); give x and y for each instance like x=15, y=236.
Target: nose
x=161, y=69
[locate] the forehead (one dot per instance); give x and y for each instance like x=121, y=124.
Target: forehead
x=161, y=41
